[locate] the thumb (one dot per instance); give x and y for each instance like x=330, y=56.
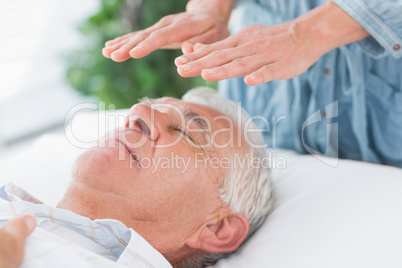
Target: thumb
x=20, y=227
x=187, y=48
x=194, y=43
x=197, y=46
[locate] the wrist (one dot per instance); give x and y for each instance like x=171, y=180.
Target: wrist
x=221, y=9
x=328, y=27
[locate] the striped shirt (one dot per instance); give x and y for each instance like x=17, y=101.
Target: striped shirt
x=65, y=239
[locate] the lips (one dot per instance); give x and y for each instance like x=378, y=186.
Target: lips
x=133, y=154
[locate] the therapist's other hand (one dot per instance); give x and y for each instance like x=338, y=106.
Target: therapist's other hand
x=169, y=32
x=260, y=53
x=12, y=240
x=264, y=53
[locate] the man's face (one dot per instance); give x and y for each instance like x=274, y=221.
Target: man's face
x=154, y=175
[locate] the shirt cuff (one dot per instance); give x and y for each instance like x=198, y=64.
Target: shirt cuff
x=383, y=40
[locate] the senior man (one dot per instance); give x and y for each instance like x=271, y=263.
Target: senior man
x=130, y=214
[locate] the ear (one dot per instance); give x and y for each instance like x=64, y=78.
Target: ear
x=223, y=236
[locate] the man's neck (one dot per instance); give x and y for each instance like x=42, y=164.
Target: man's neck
x=84, y=201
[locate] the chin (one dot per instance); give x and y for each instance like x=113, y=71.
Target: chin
x=102, y=168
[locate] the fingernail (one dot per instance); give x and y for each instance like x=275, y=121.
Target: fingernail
x=182, y=60
x=211, y=71
x=30, y=222
x=252, y=77
x=185, y=67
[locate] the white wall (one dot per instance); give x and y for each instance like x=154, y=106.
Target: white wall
x=35, y=39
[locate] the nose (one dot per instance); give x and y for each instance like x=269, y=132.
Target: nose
x=143, y=118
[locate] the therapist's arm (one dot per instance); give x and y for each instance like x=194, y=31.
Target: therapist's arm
x=383, y=20
x=12, y=240
x=265, y=53
x=204, y=21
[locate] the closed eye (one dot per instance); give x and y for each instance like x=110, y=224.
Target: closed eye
x=184, y=133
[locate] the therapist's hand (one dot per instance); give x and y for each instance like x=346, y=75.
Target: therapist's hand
x=260, y=53
x=264, y=53
x=170, y=32
x=12, y=240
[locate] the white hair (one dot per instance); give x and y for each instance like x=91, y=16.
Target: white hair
x=247, y=189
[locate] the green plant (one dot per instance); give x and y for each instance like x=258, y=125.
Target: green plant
x=122, y=84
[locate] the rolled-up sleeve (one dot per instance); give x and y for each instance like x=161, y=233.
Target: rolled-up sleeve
x=383, y=20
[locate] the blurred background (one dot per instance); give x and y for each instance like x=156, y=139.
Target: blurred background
x=52, y=61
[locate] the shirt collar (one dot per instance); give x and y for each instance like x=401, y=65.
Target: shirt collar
x=136, y=247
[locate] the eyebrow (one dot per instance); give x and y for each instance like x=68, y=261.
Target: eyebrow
x=191, y=115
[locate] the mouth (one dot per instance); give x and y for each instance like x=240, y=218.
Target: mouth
x=135, y=156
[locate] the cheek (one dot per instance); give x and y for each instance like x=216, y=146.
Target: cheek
x=180, y=197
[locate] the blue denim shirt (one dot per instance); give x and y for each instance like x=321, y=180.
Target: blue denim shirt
x=349, y=103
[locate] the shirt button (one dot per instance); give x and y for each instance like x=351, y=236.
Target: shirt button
x=327, y=71
x=324, y=114
x=397, y=47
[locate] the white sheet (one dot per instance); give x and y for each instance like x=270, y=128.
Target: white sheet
x=349, y=216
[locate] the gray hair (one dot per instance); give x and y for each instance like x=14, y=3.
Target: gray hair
x=247, y=189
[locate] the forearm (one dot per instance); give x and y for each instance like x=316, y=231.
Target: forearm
x=218, y=8
x=328, y=27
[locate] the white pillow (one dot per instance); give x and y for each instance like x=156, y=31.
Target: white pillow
x=348, y=216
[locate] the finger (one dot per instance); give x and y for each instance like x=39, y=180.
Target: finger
x=266, y=73
x=144, y=42
x=214, y=59
x=172, y=46
x=197, y=46
x=122, y=53
x=120, y=43
x=134, y=37
x=13, y=237
x=187, y=48
x=191, y=44
x=239, y=67
x=161, y=38
x=119, y=56
x=134, y=42
x=117, y=39
x=107, y=51
x=205, y=50
x=20, y=227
